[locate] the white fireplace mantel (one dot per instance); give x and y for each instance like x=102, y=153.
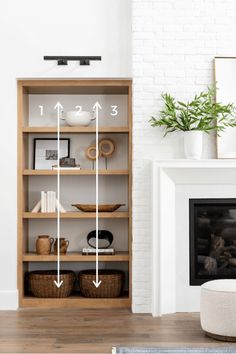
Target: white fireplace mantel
x=166, y=176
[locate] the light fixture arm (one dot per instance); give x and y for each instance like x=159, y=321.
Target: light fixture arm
x=63, y=60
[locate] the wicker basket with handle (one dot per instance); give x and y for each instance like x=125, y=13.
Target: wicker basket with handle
x=41, y=283
x=111, y=286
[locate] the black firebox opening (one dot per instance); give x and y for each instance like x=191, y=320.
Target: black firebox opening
x=212, y=226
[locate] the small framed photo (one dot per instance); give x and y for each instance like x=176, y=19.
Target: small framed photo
x=45, y=152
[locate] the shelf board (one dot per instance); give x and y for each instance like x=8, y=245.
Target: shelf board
x=77, y=86
x=74, y=130
x=74, y=172
x=77, y=215
x=76, y=257
x=76, y=301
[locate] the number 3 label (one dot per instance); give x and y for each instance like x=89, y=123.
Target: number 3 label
x=114, y=111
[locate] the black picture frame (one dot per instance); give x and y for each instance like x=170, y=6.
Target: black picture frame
x=48, y=139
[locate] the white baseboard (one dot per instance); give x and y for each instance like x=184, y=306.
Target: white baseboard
x=8, y=299
x=136, y=308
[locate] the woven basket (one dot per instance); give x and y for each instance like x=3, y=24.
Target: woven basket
x=41, y=283
x=111, y=285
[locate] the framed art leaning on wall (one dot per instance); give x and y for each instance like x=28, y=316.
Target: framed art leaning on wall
x=225, y=79
x=45, y=152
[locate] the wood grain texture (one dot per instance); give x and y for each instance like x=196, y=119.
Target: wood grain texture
x=96, y=331
x=222, y=338
x=130, y=164
x=77, y=215
x=76, y=257
x=75, y=130
x=75, y=172
x=76, y=302
x=76, y=86
x=20, y=189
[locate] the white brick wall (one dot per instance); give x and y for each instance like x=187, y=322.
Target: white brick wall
x=174, y=43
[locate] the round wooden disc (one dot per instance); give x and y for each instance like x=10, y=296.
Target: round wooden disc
x=91, y=152
x=106, y=147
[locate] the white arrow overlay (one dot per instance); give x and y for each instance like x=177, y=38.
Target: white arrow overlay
x=59, y=108
x=96, y=107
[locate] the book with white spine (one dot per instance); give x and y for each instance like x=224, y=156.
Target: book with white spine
x=48, y=202
x=43, y=202
x=53, y=201
x=51, y=205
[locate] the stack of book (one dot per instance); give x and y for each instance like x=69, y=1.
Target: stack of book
x=101, y=251
x=55, y=167
x=48, y=203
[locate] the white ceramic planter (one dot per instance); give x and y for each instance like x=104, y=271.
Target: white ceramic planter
x=193, y=144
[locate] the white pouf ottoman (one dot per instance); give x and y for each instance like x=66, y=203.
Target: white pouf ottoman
x=218, y=309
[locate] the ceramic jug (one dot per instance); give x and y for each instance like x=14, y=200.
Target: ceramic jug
x=44, y=244
x=63, y=245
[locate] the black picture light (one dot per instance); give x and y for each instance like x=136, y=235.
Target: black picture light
x=63, y=60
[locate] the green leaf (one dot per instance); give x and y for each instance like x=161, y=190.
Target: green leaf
x=202, y=113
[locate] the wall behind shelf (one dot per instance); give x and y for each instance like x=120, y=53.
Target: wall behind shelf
x=86, y=101
x=32, y=29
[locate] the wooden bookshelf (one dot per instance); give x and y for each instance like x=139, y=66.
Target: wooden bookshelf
x=29, y=129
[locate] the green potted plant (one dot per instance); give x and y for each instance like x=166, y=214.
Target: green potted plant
x=193, y=118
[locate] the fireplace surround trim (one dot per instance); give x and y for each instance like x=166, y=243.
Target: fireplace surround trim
x=166, y=174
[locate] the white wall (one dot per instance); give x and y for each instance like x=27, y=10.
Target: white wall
x=28, y=31
x=174, y=43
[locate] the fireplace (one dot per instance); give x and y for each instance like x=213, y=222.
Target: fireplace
x=212, y=239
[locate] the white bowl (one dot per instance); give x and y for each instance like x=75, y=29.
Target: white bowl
x=78, y=118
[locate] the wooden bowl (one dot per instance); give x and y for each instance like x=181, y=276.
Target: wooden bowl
x=102, y=208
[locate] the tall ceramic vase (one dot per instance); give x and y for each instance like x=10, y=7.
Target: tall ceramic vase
x=193, y=141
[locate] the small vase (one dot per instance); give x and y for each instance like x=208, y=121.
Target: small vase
x=63, y=245
x=44, y=244
x=193, y=144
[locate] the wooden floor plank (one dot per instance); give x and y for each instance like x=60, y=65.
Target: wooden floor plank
x=95, y=331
